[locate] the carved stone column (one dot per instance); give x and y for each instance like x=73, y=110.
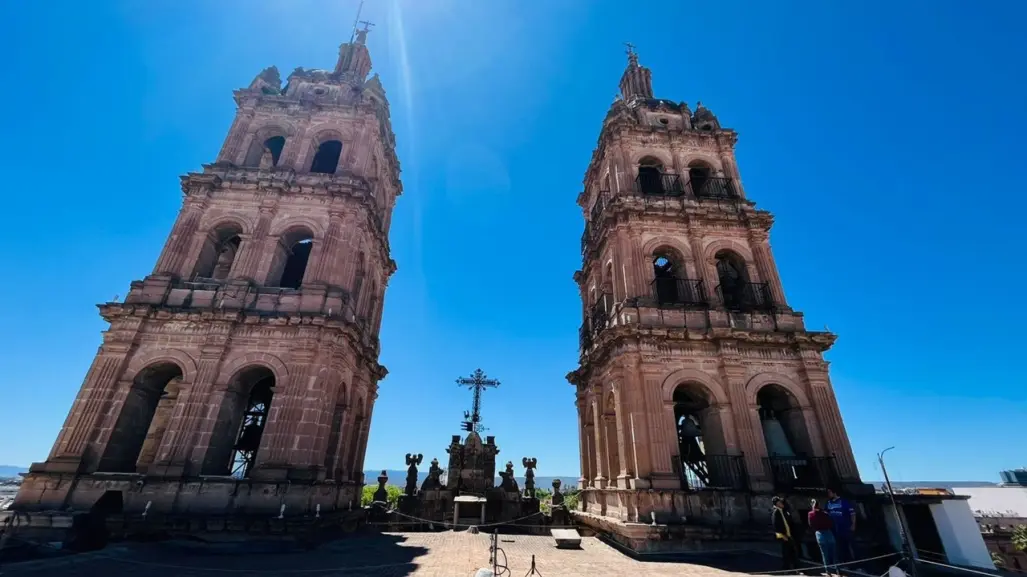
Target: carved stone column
x=251, y=250
x=602, y=473
x=86, y=413
x=278, y=456
x=637, y=421
x=172, y=258
x=624, y=448
x=579, y=404
x=230, y=149
x=766, y=267
x=746, y=416
x=329, y=257
x=365, y=430
x=829, y=417
x=702, y=265
x=731, y=171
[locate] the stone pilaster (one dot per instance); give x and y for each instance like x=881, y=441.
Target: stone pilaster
x=766, y=267
x=746, y=414
x=89, y=408
x=288, y=437
x=602, y=473
x=825, y=407
x=252, y=249
x=579, y=404
x=172, y=258
x=624, y=448
x=328, y=255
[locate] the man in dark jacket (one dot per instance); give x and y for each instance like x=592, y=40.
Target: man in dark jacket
x=783, y=532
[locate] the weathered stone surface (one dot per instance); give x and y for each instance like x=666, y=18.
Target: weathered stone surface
x=252, y=348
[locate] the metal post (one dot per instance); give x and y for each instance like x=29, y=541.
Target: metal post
x=907, y=547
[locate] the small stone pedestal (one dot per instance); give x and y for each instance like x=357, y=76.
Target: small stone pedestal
x=469, y=504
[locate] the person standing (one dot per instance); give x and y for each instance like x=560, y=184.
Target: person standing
x=820, y=522
x=844, y=517
x=783, y=533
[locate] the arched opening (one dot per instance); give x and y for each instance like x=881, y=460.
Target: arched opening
x=251, y=421
x=786, y=438
x=292, y=255
x=665, y=281
x=155, y=387
x=734, y=279
x=699, y=178
x=265, y=153
x=650, y=176
x=702, y=444
x=218, y=253
x=326, y=159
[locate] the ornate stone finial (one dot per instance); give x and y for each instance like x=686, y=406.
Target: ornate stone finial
x=412, y=462
x=529, y=476
x=434, y=480
x=557, y=495
x=381, y=495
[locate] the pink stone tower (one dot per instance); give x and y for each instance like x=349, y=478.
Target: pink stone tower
x=241, y=374
x=695, y=373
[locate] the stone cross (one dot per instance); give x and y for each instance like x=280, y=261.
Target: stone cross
x=477, y=383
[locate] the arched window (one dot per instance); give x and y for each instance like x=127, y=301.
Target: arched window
x=260, y=382
x=699, y=175
x=271, y=147
x=734, y=280
x=702, y=446
x=786, y=437
x=326, y=159
x=218, y=253
x=291, y=258
x=650, y=176
x=665, y=282
x=155, y=387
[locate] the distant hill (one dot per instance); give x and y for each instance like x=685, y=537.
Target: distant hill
x=935, y=484
x=7, y=471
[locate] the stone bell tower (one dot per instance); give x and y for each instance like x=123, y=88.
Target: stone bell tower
x=241, y=374
x=695, y=373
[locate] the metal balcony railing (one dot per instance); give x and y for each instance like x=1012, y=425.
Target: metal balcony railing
x=599, y=313
x=678, y=291
x=713, y=187
x=649, y=184
x=795, y=473
x=746, y=296
x=717, y=472
x=585, y=337
x=602, y=199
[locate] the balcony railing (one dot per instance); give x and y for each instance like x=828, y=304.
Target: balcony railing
x=795, y=473
x=717, y=472
x=602, y=199
x=585, y=337
x=599, y=313
x=678, y=291
x=713, y=187
x=648, y=184
x=746, y=296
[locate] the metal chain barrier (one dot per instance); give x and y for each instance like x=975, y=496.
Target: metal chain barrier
x=797, y=571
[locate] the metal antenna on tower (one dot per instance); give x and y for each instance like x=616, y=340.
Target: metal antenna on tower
x=356, y=21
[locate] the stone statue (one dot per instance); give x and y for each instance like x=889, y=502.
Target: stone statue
x=412, y=462
x=509, y=482
x=434, y=480
x=267, y=160
x=381, y=495
x=557, y=495
x=529, y=476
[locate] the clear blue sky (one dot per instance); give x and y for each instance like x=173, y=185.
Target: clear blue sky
x=887, y=138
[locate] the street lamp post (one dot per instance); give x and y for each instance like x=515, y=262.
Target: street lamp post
x=907, y=547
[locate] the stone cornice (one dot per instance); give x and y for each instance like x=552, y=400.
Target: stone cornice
x=610, y=343
x=252, y=324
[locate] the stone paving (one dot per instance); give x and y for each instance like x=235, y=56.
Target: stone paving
x=446, y=554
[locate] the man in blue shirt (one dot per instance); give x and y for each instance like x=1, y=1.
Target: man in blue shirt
x=844, y=517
